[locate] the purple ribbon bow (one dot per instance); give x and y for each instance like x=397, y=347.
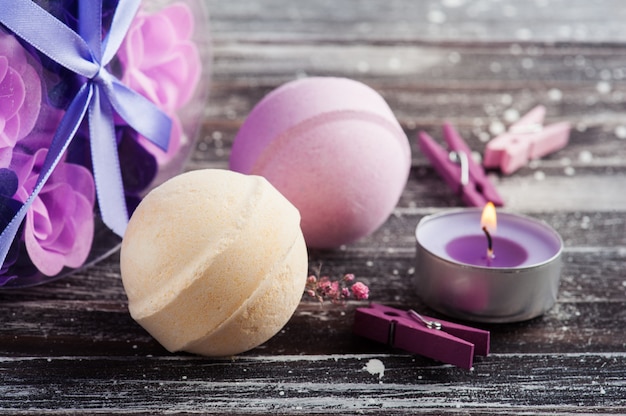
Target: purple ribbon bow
x=87, y=54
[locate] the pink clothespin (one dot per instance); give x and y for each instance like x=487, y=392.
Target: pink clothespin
x=434, y=338
x=526, y=139
x=458, y=169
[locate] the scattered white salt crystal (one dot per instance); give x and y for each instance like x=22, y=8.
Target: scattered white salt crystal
x=218, y=143
x=620, y=132
x=454, y=57
x=511, y=115
x=495, y=67
x=436, y=16
x=394, y=62
x=580, y=60
x=584, y=222
x=555, y=94
x=527, y=63
x=362, y=67
x=606, y=74
x=375, y=367
x=539, y=175
x=515, y=49
x=453, y=3
x=585, y=156
x=496, y=127
x=569, y=171
x=603, y=87
x=231, y=113
x=491, y=109
x=524, y=33
x=565, y=31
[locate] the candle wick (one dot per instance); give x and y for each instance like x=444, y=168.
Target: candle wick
x=489, y=244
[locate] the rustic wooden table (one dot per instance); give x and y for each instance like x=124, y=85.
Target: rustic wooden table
x=70, y=347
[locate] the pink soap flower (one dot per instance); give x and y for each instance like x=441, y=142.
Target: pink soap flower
x=161, y=62
x=59, y=225
x=20, y=95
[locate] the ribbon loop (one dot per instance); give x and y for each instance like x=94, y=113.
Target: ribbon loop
x=122, y=19
x=49, y=36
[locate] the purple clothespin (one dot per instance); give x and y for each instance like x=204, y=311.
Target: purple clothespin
x=525, y=140
x=458, y=169
x=440, y=340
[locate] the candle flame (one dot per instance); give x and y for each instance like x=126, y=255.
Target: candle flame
x=488, y=219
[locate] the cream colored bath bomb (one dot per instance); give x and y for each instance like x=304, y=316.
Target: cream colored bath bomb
x=213, y=262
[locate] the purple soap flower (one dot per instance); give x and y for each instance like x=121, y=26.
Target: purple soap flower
x=161, y=62
x=59, y=226
x=20, y=95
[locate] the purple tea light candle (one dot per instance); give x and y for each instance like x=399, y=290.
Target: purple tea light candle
x=458, y=276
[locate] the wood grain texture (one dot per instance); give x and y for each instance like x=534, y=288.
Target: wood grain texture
x=70, y=347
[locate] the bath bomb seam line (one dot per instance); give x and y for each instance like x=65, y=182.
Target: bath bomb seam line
x=285, y=98
x=247, y=211
x=250, y=299
x=266, y=155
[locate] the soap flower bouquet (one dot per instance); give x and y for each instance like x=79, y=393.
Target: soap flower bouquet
x=86, y=131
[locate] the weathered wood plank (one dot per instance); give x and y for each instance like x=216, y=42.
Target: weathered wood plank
x=397, y=20
x=329, y=384
x=572, y=327
x=419, y=69
x=586, y=318
x=596, y=238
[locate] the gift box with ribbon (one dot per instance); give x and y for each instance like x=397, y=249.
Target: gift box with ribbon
x=98, y=104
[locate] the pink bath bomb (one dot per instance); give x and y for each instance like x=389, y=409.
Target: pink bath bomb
x=334, y=149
